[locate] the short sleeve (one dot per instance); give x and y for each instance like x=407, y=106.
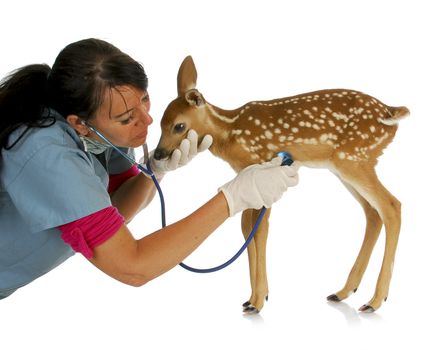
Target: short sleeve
x=56, y=185
x=115, y=181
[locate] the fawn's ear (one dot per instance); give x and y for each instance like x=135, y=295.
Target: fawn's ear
x=186, y=79
x=194, y=98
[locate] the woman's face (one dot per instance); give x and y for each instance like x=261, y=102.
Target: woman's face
x=123, y=117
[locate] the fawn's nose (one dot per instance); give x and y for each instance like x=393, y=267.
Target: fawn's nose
x=160, y=153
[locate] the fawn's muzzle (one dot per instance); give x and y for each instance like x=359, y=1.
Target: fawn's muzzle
x=160, y=153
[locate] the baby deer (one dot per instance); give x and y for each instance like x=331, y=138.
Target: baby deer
x=344, y=131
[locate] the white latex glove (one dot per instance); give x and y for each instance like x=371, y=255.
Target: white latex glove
x=182, y=155
x=259, y=185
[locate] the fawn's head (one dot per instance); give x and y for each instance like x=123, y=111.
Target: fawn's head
x=186, y=112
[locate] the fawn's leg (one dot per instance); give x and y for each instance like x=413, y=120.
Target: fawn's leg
x=247, y=225
x=366, y=183
x=373, y=228
x=260, y=290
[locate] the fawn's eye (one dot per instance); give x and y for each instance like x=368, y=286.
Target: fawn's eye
x=179, y=128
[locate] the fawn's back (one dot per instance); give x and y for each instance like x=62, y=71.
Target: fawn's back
x=315, y=127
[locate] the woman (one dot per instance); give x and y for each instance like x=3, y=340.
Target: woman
x=63, y=190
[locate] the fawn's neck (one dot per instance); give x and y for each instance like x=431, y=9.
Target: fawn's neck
x=223, y=125
x=220, y=123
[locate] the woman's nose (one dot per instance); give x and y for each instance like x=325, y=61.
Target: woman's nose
x=145, y=117
x=149, y=119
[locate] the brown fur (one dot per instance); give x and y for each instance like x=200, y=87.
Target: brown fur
x=342, y=130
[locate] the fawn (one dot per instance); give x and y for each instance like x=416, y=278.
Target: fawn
x=344, y=131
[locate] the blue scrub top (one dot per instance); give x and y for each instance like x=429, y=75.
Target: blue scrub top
x=46, y=180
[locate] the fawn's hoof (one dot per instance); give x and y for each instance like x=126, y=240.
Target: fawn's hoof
x=366, y=309
x=248, y=308
x=251, y=309
x=248, y=303
x=333, y=297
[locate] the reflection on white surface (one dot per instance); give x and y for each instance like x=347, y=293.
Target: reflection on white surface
x=352, y=316
x=255, y=319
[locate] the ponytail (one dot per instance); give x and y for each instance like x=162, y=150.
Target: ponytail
x=23, y=96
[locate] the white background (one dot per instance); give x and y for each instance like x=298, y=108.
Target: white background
x=247, y=50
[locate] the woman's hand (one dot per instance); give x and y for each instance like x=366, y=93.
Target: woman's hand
x=187, y=150
x=259, y=185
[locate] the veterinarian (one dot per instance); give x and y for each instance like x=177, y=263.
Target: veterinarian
x=63, y=190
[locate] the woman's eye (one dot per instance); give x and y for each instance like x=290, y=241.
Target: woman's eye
x=127, y=121
x=178, y=128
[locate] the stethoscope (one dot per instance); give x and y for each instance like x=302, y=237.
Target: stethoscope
x=147, y=171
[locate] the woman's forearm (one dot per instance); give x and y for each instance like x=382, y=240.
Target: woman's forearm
x=136, y=262
x=164, y=249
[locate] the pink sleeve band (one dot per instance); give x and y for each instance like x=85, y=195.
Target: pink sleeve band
x=84, y=234
x=117, y=180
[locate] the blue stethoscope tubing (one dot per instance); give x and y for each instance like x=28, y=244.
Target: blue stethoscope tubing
x=287, y=160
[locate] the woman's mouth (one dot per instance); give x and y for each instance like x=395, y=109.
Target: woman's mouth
x=142, y=135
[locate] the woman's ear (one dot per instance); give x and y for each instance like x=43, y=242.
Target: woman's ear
x=78, y=124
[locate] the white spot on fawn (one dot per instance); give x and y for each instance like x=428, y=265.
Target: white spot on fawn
x=323, y=138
